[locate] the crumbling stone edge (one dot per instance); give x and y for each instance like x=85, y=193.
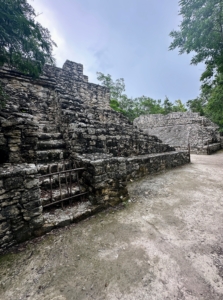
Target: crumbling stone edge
x=21, y=212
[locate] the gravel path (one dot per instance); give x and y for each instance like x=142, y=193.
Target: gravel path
x=167, y=243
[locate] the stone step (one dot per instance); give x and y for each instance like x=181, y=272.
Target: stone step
x=46, y=168
x=46, y=122
x=51, y=155
x=74, y=213
x=213, y=148
x=47, y=127
x=45, y=196
x=46, y=182
x=70, y=105
x=207, y=149
x=51, y=144
x=49, y=136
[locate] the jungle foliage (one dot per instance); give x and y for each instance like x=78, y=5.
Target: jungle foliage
x=201, y=32
x=134, y=107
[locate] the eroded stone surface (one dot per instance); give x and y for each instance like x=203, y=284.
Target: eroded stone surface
x=182, y=128
x=165, y=244
x=20, y=206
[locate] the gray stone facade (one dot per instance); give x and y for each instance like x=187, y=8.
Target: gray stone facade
x=61, y=117
x=20, y=206
x=182, y=128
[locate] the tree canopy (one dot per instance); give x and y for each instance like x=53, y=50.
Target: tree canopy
x=201, y=32
x=24, y=43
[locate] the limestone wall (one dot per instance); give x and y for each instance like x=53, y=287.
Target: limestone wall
x=18, y=139
x=20, y=206
x=116, y=137
x=71, y=83
x=107, y=177
x=28, y=102
x=180, y=129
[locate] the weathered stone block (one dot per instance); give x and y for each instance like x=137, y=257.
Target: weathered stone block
x=36, y=222
x=3, y=140
x=30, y=169
x=34, y=212
x=2, y=191
x=4, y=227
x=32, y=205
x=9, y=212
x=13, y=148
x=23, y=234
x=27, y=195
x=13, y=183
x=9, y=201
x=180, y=129
x=31, y=183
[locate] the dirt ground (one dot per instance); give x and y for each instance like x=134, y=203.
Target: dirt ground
x=167, y=243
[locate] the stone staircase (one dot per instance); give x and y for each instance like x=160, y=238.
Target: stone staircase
x=51, y=146
x=57, y=214
x=53, y=157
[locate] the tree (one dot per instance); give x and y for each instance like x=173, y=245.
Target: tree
x=24, y=43
x=197, y=105
x=134, y=107
x=118, y=101
x=214, y=109
x=167, y=106
x=201, y=32
x=116, y=87
x=214, y=105
x=149, y=105
x=178, y=106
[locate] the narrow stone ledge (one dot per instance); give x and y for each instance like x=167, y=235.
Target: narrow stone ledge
x=60, y=218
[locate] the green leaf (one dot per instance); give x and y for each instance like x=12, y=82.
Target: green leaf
x=24, y=43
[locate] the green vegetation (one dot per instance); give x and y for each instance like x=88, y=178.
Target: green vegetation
x=133, y=108
x=24, y=43
x=201, y=32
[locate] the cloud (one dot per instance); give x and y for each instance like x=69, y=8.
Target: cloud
x=124, y=39
x=47, y=19
x=102, y=59
x=79, y=35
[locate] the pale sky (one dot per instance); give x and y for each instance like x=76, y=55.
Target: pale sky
x=125, y=38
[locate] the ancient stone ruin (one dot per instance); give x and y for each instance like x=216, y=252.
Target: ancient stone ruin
x=62, y=144
x=179, y=129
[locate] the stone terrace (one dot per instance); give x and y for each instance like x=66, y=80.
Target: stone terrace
x=62, y=118
x=182, y=128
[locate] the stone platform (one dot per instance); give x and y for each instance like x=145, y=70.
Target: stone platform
x=182, y=128
x=58, y=119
